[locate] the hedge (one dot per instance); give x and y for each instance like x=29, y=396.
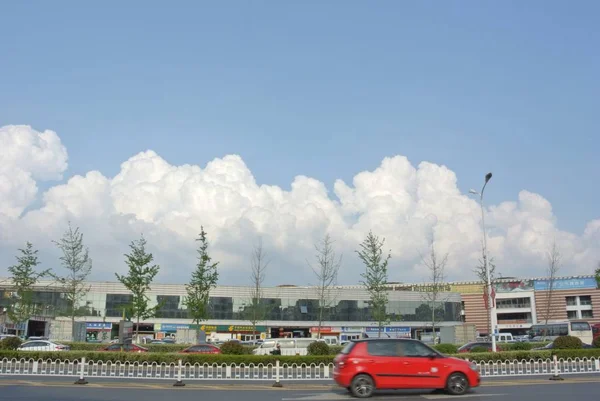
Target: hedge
x=266, y=359
x=167, y=357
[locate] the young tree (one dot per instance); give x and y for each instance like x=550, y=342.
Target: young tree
x=204, y=279
x=480, y=271
x=257, y=309
x=553, y=258
x=436, y=266
x=326, y=271
x=23, y=277
x=598, y=275
x=76, y=260
x=375, y=276
x=138, y=279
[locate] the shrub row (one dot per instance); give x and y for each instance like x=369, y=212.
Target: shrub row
x=266, y=359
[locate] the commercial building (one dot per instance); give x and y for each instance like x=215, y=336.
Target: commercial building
x=293, y=311
x=288, y=311
x=521, y=303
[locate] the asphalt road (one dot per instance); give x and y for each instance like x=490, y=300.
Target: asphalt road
x=63, y=389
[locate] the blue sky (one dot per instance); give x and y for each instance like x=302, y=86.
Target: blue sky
x=320, y=88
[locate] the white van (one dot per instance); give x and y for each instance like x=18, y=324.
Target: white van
x=504, y=338
x=289, y=346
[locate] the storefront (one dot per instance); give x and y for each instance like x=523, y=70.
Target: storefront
x=98, y=331
x=166, y=330
x=326, y=332
x=351, y=333
x=389, y=331
x=290, y=332
x=238, y=332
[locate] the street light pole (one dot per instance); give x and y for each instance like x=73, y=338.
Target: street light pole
x=491, y=304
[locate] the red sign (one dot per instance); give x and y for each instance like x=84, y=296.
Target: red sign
x=323, y=329
x=486, y=299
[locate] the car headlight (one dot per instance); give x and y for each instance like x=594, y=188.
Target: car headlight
x=474, y=366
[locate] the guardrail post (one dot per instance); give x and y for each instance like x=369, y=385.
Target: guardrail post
x=556, y=375
x=81, y=373
x=597, y=365
x=179, y=382
x=277, y=382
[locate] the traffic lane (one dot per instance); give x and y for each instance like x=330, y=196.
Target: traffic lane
x=519, y=391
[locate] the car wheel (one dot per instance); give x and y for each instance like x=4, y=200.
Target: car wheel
x=362, y=386
x=457, y=384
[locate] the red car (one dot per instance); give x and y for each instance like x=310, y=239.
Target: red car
x=366, y=365
x=124, y=348
x=201, y=349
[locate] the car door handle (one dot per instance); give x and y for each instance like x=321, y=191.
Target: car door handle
x=371, y=361
x=405, y=363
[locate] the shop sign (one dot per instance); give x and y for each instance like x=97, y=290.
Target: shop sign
x=207, y=328
x=515, y=286
x=566, y=284
x=98, y=325
x=352, y=329
x=323, y=329
x=424, y=287
x=467, y=288
x=170, y=327
x=398, y=330
x=245, y=329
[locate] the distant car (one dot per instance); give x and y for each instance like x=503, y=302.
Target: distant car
x=468, y=347
x=43, y=345
x=551, y=346
x=124, y=348
x=389, y=364
x=168, y=340
x=201, y=349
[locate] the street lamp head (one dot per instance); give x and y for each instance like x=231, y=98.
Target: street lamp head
x=488, y=176
x=472, y=191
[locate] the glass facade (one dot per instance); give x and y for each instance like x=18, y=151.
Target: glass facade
x=281, y=308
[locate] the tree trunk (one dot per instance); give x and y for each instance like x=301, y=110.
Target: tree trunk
x=137, y=330
x=433, y=336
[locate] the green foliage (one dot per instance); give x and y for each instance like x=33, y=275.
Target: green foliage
x=446, y=348
x=203, y=280
x=10, y=343
x=167, y=357
x=478, y=349
x=596, y=342
x=375, y=277
x=233, y=348
x=318, y=348
x=335, y=349
x=138, y=279
x=76, y=260
x=23, y=277
x=568, y=342
x=598, y=276
x=518, y=346
x=163, y=357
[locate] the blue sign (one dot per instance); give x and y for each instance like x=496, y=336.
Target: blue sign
x=98, y=326
x=566, y=284
x=388, y=329
x=170, y=327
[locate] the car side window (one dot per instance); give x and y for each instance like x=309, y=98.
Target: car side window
x=414, y=349
x=114, y=347
x=382, y=348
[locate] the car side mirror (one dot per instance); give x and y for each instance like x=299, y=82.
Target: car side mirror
x=433, y=356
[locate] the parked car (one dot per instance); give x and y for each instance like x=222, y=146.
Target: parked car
x=469, y=346
x=124, y=348
x=43, y=345
x=201, y=349
x=366, y=365
x=551, y=346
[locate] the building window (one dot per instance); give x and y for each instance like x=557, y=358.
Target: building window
x=572, y=314
x=571, y=301
x=585, y=300
x=587, y=314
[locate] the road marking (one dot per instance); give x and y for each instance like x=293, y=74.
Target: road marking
x=320, y=397
x=447, y=396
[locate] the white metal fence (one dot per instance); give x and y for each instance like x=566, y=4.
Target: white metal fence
x=271, y=372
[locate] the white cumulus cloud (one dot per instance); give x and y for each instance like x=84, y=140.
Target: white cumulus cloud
x=408, y=205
